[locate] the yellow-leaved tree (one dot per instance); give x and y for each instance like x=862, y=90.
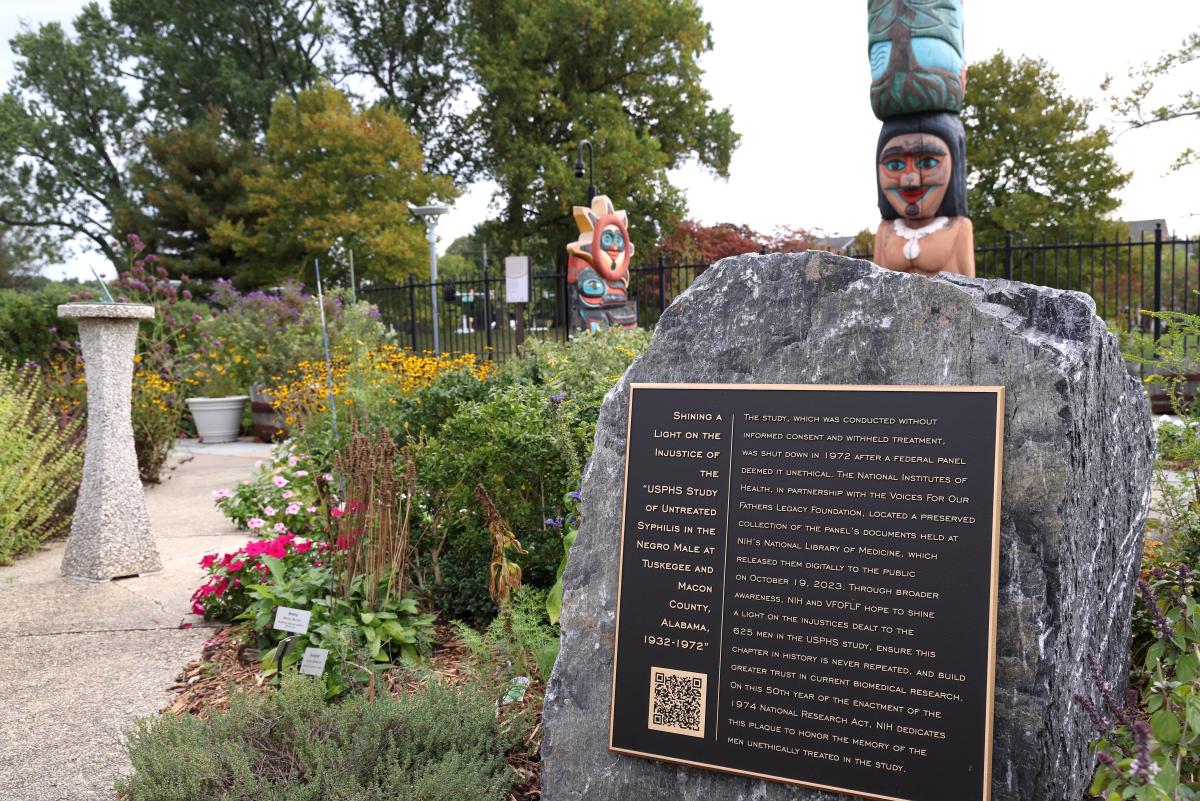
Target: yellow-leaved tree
x=337, y=179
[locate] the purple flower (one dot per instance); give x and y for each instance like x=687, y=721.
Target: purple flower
x=1105, y=688
x=187, y=294
x=1160, y=623
x=558, y=397
x=1092, y=713
x=1142, y=768
x=555, y=522
x=576, y=495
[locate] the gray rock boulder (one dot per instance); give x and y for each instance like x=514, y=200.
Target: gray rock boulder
x=1078, y=457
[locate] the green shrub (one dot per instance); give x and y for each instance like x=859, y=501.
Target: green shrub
x=40, y=464
x=439, y=744
x=526, y=451
x=1149, y=746
x=29, y=325
x=585, y=368
x=525, y=444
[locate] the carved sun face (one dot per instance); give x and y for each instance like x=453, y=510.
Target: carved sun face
x=914, y=173
x=612, y=241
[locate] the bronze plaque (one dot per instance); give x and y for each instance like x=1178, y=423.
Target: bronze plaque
x=807, y=589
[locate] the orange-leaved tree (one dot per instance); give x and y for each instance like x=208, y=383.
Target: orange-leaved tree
x=337, y=179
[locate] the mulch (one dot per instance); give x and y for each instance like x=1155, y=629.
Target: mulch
x=229, y=664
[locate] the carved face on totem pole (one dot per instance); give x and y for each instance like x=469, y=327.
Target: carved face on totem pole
x=914, y=174
x=598, y=267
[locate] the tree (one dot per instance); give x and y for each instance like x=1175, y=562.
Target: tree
x=190, y=179
x=1036, y=165
x=236, y=57
x=67, y=127
x=693, y=243
x=335, y=179
x=1139, y=110
x=20, y=258
x=411, y=51
x=623, y=75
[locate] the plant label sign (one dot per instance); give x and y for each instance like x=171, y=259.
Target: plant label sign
x=292, y=620
x=313, y=663
x=808, y=582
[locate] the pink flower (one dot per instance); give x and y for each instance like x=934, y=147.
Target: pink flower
x=235, y=565
x=269, y=511
x=303, y=473
x=328, y=477
x=221, y=493
x=255, y=523
x=293, y=461
x=197, y=608
x=280, y=527
x=207, y=561
x=303, y=546
x=288, y=494
x=255, y=548
x=292, y=508
x=276, y=549
x=279, y=481
x=312, y=510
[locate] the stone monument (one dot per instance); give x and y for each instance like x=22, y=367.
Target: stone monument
x=1077, y=460
x=918, y=81
x=110, y=533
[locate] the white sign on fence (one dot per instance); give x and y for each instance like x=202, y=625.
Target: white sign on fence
x=516, y=279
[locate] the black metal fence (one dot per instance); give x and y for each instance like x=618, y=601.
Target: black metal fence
x=1126, y=278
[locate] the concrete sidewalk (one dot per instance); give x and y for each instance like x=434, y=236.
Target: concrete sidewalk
x=79, y=663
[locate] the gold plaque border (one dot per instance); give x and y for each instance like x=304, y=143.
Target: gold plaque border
x=990, y=711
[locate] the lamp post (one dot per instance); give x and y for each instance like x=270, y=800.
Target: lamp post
x=430, y=214
x=590, y=165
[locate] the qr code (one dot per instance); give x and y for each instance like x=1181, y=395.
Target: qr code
x=677, y=701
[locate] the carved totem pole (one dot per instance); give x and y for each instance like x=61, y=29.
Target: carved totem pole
x=598, y=268
x=918, y=80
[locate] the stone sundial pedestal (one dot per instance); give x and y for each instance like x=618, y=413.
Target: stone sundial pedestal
x=110, y=534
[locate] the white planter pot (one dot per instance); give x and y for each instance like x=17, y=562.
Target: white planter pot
x=217, y=419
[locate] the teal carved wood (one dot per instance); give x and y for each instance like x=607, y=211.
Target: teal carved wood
x=916, y=52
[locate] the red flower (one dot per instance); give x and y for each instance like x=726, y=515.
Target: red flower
x=208, y=560
x=235, y=566
x=197, y=609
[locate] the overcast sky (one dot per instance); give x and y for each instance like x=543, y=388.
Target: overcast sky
x=796, y=76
